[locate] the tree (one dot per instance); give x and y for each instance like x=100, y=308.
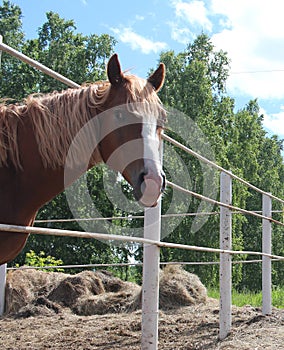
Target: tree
x=80, y=58
x=195, y=84
x=266, y=172
x=11, y=78
x=11, y=24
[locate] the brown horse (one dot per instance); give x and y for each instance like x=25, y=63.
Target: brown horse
x=35, y=140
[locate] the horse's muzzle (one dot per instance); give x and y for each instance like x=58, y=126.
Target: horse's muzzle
x=149, y=188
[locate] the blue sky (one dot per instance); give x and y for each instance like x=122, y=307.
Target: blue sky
x=252, y=32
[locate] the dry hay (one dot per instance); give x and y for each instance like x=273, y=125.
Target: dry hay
x=194, y=327
x=180, y=288
x=23, y=286
x=34, y=292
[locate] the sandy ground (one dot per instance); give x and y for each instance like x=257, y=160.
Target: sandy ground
x=190, y=327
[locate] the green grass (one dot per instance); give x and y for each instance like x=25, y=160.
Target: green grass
x=251, y=298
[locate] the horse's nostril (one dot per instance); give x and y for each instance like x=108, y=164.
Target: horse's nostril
x=164, y=182
x=151, y=185
x=142, y=176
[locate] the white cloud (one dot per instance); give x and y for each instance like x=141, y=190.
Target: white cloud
x=181, y=35
x=138, y=42
x=191, y=17
x=194, y=12
x=274, y=122
x=251, y=31
x=139, y=18
x=253, y=38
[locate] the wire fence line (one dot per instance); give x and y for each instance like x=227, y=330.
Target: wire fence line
x=130, y=217
x=221, y=204
x=133, y=217
x=218, y=167
x=110, y=237
x=162, y=263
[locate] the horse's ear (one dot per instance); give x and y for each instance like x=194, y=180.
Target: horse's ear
x=158, y=77
x=114, y=73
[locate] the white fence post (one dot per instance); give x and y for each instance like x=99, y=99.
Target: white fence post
x=150, y=290
x=151, y=275
x=266, y=261
x=225, y=259
x=3, y=269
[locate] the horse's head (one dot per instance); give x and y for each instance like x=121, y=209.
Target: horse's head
x=132, y=129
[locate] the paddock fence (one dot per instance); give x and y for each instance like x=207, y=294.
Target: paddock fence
x=152, y=243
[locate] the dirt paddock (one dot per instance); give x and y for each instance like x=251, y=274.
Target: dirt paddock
x=90, y=316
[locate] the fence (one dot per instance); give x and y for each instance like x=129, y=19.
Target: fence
x=152, y=243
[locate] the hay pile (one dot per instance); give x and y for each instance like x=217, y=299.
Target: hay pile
x=180, y=288
x=33, y=292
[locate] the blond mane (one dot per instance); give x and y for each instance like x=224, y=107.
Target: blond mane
x=57, y=117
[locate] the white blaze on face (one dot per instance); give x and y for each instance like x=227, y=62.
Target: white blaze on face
x=151, y=187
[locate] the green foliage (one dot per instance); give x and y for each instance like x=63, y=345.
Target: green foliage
x=250, y=297
x=11, y=24
x=41, y=260
x=195, y=84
